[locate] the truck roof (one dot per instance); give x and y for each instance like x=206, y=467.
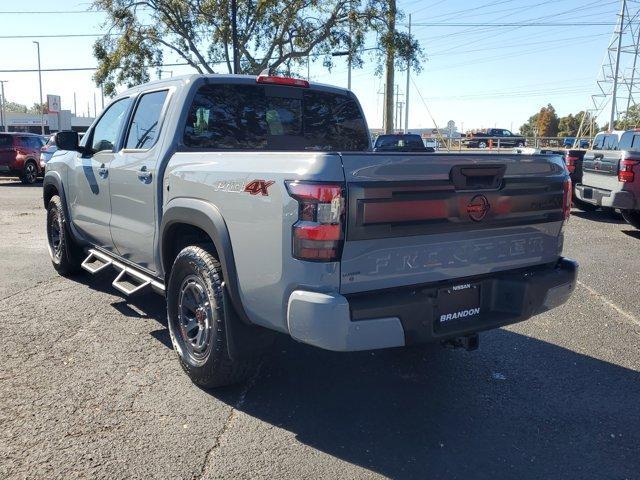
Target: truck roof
x=182, y=80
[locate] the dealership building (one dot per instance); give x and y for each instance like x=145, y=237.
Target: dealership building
x=53, y=122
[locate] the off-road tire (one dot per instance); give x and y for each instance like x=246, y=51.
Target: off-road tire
x=584, y=206
x=632, y=217
x=29, y=173
x=214, y=368
x=66, y=256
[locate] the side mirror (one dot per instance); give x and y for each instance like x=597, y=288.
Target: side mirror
x=68, y=141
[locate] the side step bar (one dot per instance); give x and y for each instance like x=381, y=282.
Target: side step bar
x=128, y=281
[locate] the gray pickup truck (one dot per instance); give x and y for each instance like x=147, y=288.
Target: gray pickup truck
x=256, y=205
x=611, y=174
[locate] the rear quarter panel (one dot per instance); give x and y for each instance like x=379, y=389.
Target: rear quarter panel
x=259, y=225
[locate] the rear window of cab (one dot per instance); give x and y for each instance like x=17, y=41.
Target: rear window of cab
x=605, y=141
x=257, y=117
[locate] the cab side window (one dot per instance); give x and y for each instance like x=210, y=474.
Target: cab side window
x=144, y=127
x=626, y=140
x=105, y=133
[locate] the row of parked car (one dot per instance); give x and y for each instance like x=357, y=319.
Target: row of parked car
x=24, y=155
x=604, y=175
x=607, y=175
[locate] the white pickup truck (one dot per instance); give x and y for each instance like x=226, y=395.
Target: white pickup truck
x=257, y=205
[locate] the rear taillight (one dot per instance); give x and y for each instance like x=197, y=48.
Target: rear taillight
x=625, y=172
x=566, y=199
x=288, y=81
x=571, y=160
x=318, y=235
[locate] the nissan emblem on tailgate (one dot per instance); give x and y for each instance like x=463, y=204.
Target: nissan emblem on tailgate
x=478, y=207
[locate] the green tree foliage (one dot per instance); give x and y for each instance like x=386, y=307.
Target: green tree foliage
x=279, y=34
x=542, y=124
x=36, y=108
x=547, y=122
x=568, y=126
x=528, y=129
x=630, y=119
x=14, y=107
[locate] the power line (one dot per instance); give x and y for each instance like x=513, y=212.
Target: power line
x=63, y=35
x=516, y=24
x=84, y=69
x=49, y=12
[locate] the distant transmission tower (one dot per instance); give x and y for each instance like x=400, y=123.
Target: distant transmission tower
x=618, y=81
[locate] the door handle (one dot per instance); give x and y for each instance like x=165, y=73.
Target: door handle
x=144, y=175
x=103, y=171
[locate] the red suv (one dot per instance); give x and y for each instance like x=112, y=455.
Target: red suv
x=20, y=155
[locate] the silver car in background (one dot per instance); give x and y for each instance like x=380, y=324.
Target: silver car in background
x=47, y=151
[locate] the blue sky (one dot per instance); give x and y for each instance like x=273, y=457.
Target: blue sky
x=480, y=76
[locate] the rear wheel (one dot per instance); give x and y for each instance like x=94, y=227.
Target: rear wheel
x=632, y=217
x=197, y=323
x=66, y=255
x=520, y=144
x=29, y=173
x=482, y=144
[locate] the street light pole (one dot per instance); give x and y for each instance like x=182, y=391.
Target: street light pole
x=3, y=118
x=40, y=82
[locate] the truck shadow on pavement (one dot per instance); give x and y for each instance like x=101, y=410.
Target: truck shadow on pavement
x=632, y=233
x=518, y=407
x=603, y=216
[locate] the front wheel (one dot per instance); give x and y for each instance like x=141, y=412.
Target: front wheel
x=66, y=255
x=632, y=217
x=29, y=173
x=519, y=144
x=197, y=322
x=482, y=144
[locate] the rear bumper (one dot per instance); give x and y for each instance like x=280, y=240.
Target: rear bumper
x=605, y=198
x=408, y=315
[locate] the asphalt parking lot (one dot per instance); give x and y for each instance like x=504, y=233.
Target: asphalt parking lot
x=89, y=386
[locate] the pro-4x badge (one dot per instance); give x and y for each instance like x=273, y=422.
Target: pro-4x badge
x=259, y=187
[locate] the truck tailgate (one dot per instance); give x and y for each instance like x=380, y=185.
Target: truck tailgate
x=422, y=218
x=600, y=169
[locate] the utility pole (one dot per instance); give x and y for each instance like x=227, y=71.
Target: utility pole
x=633, y=70
x=617, y=67
x=390, y=49
x=95, y=108
x=102, y=96
x=2, y=100
x=234, y=36
x=406, y=94
x=397, y=103
x=350, y=46
x=40, y=82
x=400, y=105
x=75, y=110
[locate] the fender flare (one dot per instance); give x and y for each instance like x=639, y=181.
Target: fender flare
x=53, y=178
x=208, y=218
